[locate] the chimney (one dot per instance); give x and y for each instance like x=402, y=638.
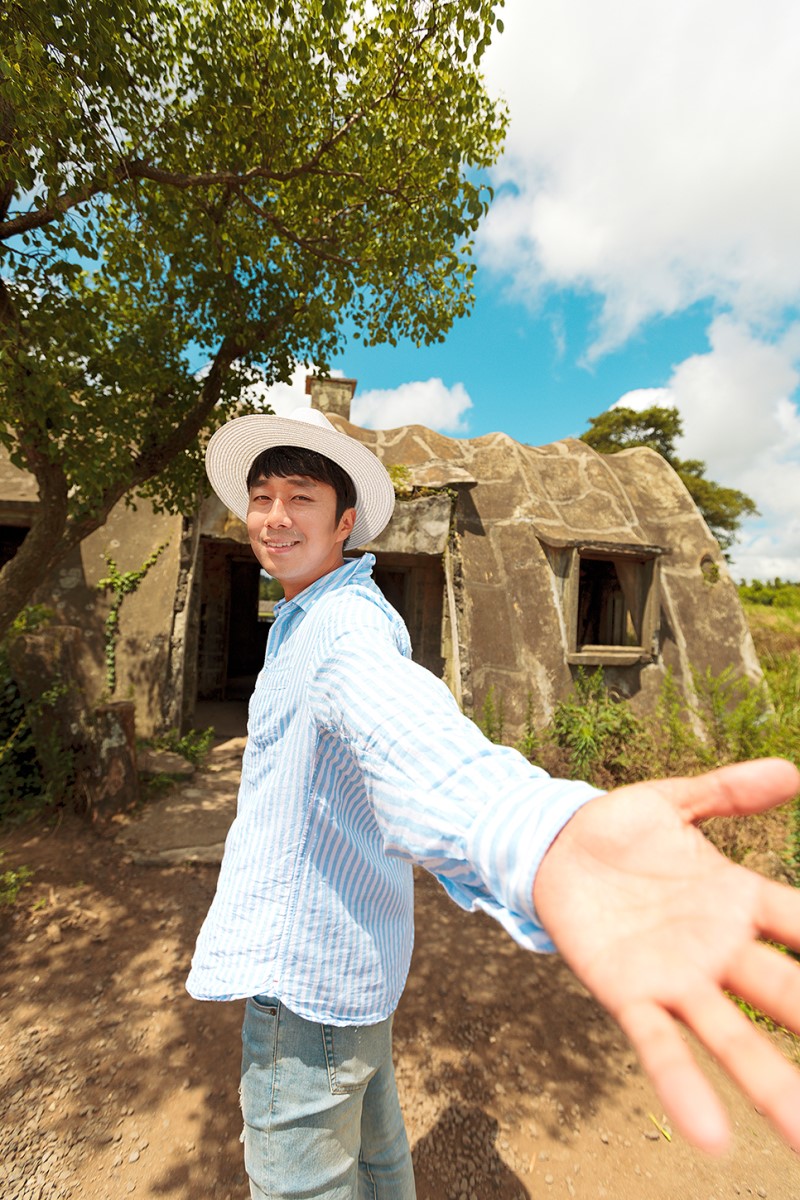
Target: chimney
x=331, y=395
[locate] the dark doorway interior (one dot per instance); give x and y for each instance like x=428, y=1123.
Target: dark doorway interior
x=233, y=625
x=235, y=615
x=11, y=538
x=414, y=585
x=247, y=632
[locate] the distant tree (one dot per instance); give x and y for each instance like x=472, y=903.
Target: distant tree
x=723, y=508
x=775, y=593
x=238, y=182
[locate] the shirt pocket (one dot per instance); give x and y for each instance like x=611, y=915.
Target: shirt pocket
x=269, y=704
x=271, y=679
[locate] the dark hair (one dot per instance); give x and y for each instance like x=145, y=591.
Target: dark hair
x=294, y=460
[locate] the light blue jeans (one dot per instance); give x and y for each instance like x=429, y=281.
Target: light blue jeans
x=321, y=1114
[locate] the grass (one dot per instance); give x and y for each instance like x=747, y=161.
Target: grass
x=592, y=737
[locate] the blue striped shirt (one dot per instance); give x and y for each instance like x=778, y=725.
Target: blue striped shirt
x=359, y=763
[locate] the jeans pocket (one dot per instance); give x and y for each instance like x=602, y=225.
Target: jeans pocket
x=354, y=1054
x=259, y=1059
x=266, y=1004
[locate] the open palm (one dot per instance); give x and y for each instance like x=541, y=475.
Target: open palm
x=659, y=926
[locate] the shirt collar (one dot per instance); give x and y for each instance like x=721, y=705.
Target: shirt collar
x=351, y=568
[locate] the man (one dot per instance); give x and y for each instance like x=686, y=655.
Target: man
x=359, y=763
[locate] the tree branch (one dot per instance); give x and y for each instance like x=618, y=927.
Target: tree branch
x=130, y=169
x=312, y=245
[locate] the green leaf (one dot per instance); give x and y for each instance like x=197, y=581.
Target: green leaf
x=339, y=201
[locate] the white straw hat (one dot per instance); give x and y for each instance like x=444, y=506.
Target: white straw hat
x=235, y=446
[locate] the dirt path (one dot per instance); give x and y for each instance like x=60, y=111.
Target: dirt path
x=115, y=1083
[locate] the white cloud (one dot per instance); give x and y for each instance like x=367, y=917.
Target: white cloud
x=285, y=397
x=651, y=156
x=739, y=417
x=651, y=161
x=423, y=402
x=768, y=555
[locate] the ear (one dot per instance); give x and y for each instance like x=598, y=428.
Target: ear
x=346, y=523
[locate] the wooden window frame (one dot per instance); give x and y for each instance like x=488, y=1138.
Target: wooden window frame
x=566, y=563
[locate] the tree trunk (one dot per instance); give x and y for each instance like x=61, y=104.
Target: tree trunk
x=33, y=562
x=53, y=534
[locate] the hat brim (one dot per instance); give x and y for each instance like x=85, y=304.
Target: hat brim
x=235, y=446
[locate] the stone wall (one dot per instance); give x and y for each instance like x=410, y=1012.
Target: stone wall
x=144, y=673
x=520, y=510
x=494, y=559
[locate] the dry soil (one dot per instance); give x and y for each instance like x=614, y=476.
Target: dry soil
x=115, y=1083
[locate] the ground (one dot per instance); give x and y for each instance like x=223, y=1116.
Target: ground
x=115, y=1083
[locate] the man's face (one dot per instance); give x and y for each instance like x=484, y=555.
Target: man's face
x=293, y=530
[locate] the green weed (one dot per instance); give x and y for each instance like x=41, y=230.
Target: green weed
x=528, y=745
x=12, y=882
x=493, y=716
x=603, y=737
x=193, y=746
x=735, y=715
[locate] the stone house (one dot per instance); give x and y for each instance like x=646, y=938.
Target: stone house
x=512, y=565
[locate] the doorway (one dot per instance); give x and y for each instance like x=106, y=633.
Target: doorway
x=414, y=586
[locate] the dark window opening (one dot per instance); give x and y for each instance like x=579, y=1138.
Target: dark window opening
x=11, y=538
x=606, y=616
x=615, y=609
x=393, y=586
x=234, y=622
x=609, y=597
x=247, y=634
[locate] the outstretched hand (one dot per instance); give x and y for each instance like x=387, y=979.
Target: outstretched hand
x=659, y=925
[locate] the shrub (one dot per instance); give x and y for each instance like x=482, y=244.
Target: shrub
x=22, y=787
x=782, y=673
x=735, y=715
x=529, y=744
x=193, y=746
x=675, y=748
x=605, y=740
x=778, y=594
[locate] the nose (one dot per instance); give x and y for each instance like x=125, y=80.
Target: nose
x=277, y=515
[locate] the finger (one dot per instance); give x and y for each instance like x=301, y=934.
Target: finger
x=778, y=913
x=749, y=1058
x=735, y=790
x=686, y=1094
x=770, y=981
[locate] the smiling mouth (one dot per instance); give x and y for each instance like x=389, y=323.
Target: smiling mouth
x=281, y=545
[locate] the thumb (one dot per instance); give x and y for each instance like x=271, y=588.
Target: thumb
x=735, y=790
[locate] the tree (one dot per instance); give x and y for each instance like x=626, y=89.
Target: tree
x=722, y=508
x=235, y=182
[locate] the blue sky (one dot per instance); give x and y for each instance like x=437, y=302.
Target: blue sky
x=643, y=246
x=524, y=372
